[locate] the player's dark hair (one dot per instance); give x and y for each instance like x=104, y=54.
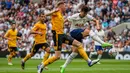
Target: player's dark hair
x=41, y=13
x=13, y=22
x=85, y=8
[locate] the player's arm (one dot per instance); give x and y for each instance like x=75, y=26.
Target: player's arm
x=6, y=36
x=66, y=20
x=70, y=18
x=97, y=22
x=52, y=12
x=19, y=38
x=93, y=19
x=34, y=30
x=105, y=37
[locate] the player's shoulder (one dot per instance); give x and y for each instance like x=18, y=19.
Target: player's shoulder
x=9, y=30
x=37, y=24
x=75, y=15
x=88, y=15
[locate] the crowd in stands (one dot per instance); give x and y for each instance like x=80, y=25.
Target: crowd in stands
x=24, y=13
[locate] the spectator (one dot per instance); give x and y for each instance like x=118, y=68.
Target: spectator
x=111, y=35
x=8, y=4
x=3, y=4
x=98, y=9
x=25, y=13
x=127, y=46
x=112, y=23
x=117, y=19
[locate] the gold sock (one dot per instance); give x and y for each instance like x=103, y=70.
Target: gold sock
x=46, y=56
x=14, y=53
x=28, y=56
x=55, y=47
x=82, y=53
x=10, y=58
x=50, y=60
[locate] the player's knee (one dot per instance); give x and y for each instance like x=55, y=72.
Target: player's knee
x=100, y=52
x=57, y=57
x=86, y=32
x=77, y=44
x=47, y=50
x=32, y=54
x=75, y=50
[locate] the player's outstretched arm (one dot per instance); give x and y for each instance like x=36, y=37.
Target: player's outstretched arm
x=35, y=32
x=19, y=38
x=6, y=36
x=97, y=22
x=50, y=13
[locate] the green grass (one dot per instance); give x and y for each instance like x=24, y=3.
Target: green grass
x=77, y=66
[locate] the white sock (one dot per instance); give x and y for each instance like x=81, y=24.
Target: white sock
x=89, y=60
x=70, y=58
x=99, y=56
x=95, y=37
x=42, y=65
x=92, y=53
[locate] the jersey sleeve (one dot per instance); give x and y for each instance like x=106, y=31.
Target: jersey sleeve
x=35, y=27
x=104, y=34
x=54, y=14
x=6, y=34
x=89, y=17
x=71, y=18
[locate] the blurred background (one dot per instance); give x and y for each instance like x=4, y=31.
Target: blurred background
x=114, y=16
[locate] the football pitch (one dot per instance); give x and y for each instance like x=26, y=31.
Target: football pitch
x=77, y=66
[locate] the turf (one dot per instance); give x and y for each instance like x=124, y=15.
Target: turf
x=77, y=66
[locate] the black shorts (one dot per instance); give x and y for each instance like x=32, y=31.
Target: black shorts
x=63, y=38
x=54, y=37
x=36, y=47
x=12, y=49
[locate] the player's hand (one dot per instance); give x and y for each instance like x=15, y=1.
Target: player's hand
x=56, y=10
x=40, y=33
x=10, y=39
x=98, y=27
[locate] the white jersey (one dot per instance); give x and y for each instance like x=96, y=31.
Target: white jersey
x=100, y=34
x=78, y=22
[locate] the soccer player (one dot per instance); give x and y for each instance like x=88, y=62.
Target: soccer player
x=78, y=23
x=39, y=30
x=11, y=36
x=98, y=48
x=58, y=21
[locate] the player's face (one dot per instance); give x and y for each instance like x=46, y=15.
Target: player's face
x=13, y=26
x=63, y=7
x=83, y=14
x=42, y=17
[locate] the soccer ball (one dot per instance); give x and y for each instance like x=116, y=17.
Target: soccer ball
x=112, y=52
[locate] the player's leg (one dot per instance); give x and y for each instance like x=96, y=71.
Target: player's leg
x=95, y=37
x=11, y=55
x=92, y=53
x=53, y=58
x=45, y=57
x=76, y=34
x=81, y=51
x=99, y=52
x=71, y=57
x=35, y=48
x=10, y=58
x=54, y=36
x=79, y=47
x=49, y=61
